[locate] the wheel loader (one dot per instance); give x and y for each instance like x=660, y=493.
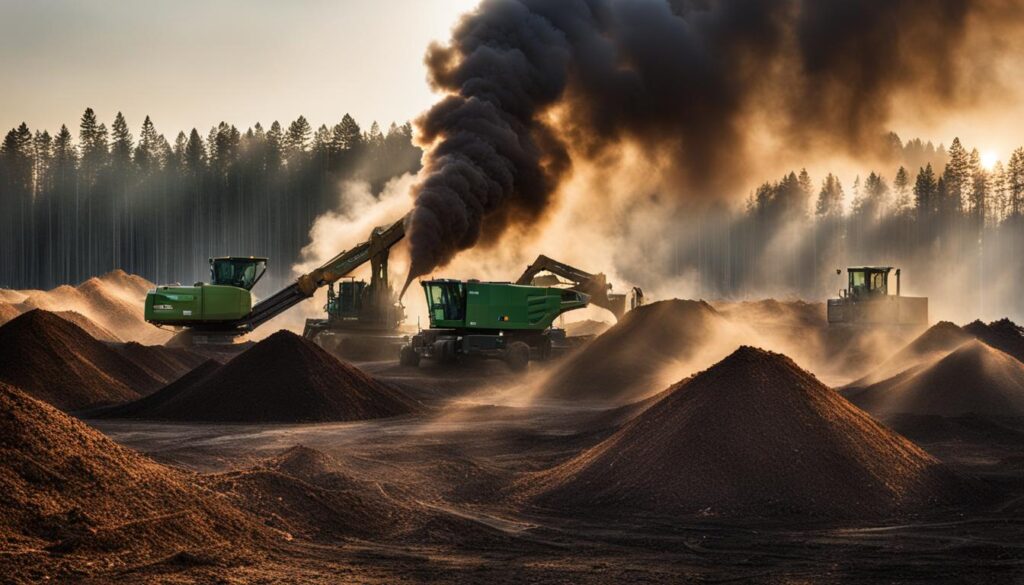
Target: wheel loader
x=866, y=300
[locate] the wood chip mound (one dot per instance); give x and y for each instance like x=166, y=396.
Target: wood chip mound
x=753, y=436
x=973, y=379
x=284, y=379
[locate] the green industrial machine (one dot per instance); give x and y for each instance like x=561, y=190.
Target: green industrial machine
x=497, y=320
x=224, y=308
x=363, y=318
x=225, y=299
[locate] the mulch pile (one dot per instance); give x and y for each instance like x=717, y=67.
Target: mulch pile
x=937, y=341
x=753, y=436
x=56, y=361
x=114, y=301
x=973, y=379
x=67, y=489
x=1004, y=335
x=283, y=378
x=626, y=362
x=165, y=364
x=308, y=494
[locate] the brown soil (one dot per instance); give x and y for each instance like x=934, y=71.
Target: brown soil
x=752, y=436
x=8, y=312
x=66, y=488
x=89, y=326
x=1004, y=335
x=973, y=379
x=165, y=364
x=626, y=362
x=937, y=341
x=308, y=494
x=56, y=361
x=283, y=378
x=772, y=312
x=586, y=327
x=114, y=301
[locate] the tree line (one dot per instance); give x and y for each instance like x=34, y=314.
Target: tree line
x=953, y=225
x=71, y=209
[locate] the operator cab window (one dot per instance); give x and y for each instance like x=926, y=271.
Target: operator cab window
x=447, y=301
x=240, y=273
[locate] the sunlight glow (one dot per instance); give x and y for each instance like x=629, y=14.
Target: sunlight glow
x=989, y=160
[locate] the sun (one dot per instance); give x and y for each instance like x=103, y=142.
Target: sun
x=989, y=159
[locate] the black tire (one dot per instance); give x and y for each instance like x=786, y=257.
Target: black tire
x=517, y=356
x=444, y=351
x=407, y=356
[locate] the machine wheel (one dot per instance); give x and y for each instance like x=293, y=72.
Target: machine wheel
x=444, y=351
x=517, y=356
x=407, y=356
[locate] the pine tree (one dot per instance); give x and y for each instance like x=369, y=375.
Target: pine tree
x=122, y=146
x=195, y=153
x=147, y=153
x=297, y=139
x=830, y=198
x=956, y=178
x=997, y=209
x=1015, y=183
x=902, y=186
x=347, y=135
x=925, y=190
x=93, y=140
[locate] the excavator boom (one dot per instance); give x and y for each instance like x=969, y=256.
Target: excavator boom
x=594, y=285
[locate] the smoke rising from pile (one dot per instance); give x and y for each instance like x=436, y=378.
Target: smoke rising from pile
x=535, y=86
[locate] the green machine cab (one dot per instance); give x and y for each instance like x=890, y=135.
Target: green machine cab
x=491, y=320
x=226, y=299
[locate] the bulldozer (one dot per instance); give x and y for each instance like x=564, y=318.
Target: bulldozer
x=866, y=300
x=548, y=272
x=223, y=309
x=491, y=320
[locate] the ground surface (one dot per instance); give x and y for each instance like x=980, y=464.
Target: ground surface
x=456, y=464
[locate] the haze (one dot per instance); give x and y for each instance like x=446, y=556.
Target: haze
x=193, y=63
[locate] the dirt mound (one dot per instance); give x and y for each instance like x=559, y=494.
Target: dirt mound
x=8, y=312
x=937, y=341
x=586, y=327
x=974, y=378
x=1004, y=335
x=628, y=361
x=12, y=296
x=752, y=436
x=114, y=301
x=308, y=494
x=770, y=312
x=56, y=361
x=283, y=378
x=165, y=364
x=64, y=487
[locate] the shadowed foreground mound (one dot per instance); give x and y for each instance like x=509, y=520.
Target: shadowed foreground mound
x=283, y=378
x=626, y=363
x=56, y=361
x=974, y=379
x=308, y=494
x=65, y=487
x=937, y=341
x=752, y=436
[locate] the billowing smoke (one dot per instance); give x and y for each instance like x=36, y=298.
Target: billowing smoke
x=700, y=86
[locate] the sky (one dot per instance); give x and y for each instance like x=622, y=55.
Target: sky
x=194, y=63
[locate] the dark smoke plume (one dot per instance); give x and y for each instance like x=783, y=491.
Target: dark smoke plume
x=531, y=84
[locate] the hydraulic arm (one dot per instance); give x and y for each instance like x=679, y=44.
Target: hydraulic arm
x=596, y=286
